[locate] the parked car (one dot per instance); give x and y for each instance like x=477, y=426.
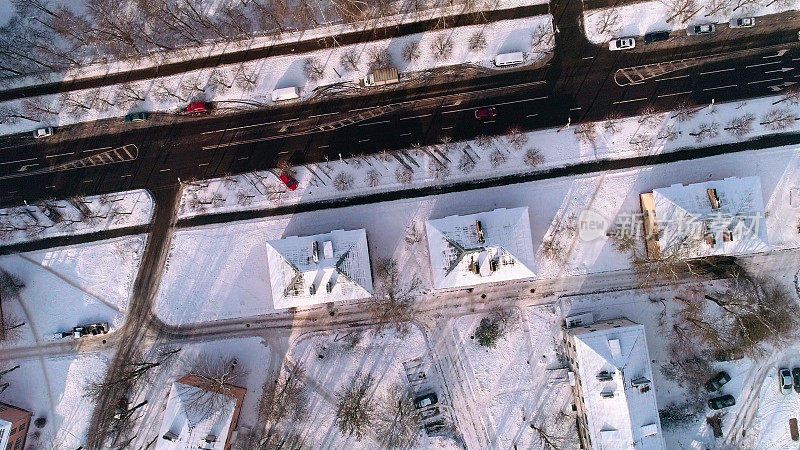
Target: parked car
x=719, y=380
x=43, y=132
x=656, y=36
x=92, y=329
x=486, y=113
x=706, y=28
x=198, y=107
x=796, y=377
x=622, y=44
x=136, y=117
x=288, y=180
x=731, y=354
x=428, y=413
x=62, y=334
x=425, y=400
x=743, y=22
x=721, y=402
x=785, y=380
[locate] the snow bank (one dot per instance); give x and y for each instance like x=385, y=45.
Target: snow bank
x=223, y=84
x=79, y=215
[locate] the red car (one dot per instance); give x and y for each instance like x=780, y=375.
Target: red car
x=288, y=180
x=198, y=107
x=486, y=113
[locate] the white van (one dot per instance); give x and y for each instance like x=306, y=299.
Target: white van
x=509, y=59
x=286, y=93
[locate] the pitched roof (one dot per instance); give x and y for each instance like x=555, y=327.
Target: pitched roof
x=463, y=255
x=711, y=218
x=616, y=381
x=339, y=271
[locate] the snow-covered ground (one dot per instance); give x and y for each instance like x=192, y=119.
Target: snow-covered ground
x=521, y=381
x=54, y=388
x=232, y=85
x=212, y=48
x=481, y=159
x=636, y=19
x=70, y=286
x=79, y=215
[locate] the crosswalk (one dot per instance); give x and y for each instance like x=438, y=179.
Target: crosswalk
x=125, y=153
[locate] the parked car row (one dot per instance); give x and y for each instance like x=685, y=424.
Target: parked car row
x=714, y=385
x=83, y=330
x=627, y=43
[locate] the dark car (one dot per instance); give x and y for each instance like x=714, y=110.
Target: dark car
x=425, y=400
x=656, y=36
x=288, y=180
x=721, y=402
x=719, y=380
x=136, y=117
x=198, y=107
x=796, y=377
x=486, y=113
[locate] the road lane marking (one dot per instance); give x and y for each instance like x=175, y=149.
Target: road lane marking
x=717, y=71
x=495, y=104
x=60, y=154
x=762, y=64
x=765, y=81
x=575, y=109
x=720, y=87
x=126, y=175
x=405, y=134
x=250, y=126
x=373, y=123
x=531, y=115
x=363, y=140
x=415, y=117
x=164, y=170
x=588, y=57
x=202, y=164
x=18, y=161
x=323, y=114
x=323, y=146
x=242, y=158
x=95, y=149
x=450, y=128
x=674, y=94
x=630, y=101
x=672, y=78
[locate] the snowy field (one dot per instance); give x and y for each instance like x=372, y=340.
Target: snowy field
x=79, y=215
x=601, y=25
x=254, y=82
x=484, y=158
x=521, y=381
x=70, y=286
x=212, y=48
x=54, y=389
x=202, y=283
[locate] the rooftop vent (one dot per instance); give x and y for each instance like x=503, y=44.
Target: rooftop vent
x=315, y=251
x=327, y=249
x=605, y=376
x=480, y=231
x=607, y=394
x=640, y=381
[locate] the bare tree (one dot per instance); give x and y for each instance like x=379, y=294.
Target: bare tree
x=484, y=140
x=411, y=51
x=608, y=21
x=397, y=422
x=497, y=158
x=685, y=111
x=343, y=181
x=542, y=38
x=373, y=178
x=393, y=304
x=586, y=132
x=669, y=133
x=516, y=137
x=403, y=175
x=747, y=6
x=130, y=94
x=790, y=95
x=477, y=41
x=38, y=109
x=717, y=6
x=682, y=10
x=533, y=157
x=442, y=47
x=313, y=68
x=741, y=126
x=380, y=59
x=354, y=407
x=466, y=162
x=349, y=59
x=165, y=93
x=10, y=285
x=641, y=142
x=778, y=119
x=217, y=380
x=285, y=400
x=246, y=78
x=612, y=123
x=706, y=130
x=437, y=169
x=649, y=116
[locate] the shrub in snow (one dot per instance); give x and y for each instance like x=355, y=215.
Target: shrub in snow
x=354, y=407
x=489, y=331
x=669, y=133
x=411, y=51
x=403, y=175
x=442, y=47
x=516, y=137
x=313, y=69
x=373, y=178
x=477, y=42
x=612, y=123
x=706, y=130
x=466, y=163
x=741, y=126
x=40, y=422
x=533, y=157
x=10, y=284
x=497, y=158
x=778, y=119
x=343, y=181
x=438, y=170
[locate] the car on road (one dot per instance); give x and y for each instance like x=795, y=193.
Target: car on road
x=622, y=44
x=655, y=36
x=721, y=402
x=198, y=107
x=288, y=180
x=796, y=378
x=485, y=113
x=705, y=28
x=743, y=22
x=785, y=380
x=719, y=380
x=43, y=132
x=136, y=117
x=425, y=400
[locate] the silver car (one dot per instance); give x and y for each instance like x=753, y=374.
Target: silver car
x=43, y=132
x=785, y=380
x=743, y=22
x=705, y=28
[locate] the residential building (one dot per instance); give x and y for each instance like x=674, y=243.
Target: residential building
x=613, y=385
x=323, y=268
x=723, y=217
x=486, y=247
x=14, y=424
x=197, y=417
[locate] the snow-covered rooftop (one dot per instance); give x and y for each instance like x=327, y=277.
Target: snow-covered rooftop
x=616, y=381
x=197, y=418
x=711, y=218
x=480, y=248
x=323, y=268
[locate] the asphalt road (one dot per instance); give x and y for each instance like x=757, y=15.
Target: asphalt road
x=576, y=84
